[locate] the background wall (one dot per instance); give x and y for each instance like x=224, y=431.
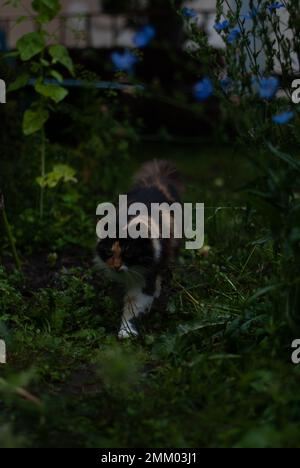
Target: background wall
x=103, y=30
x=100, y=30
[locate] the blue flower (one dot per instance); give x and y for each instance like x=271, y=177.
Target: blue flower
x=268, y=87
x=275, y=6
x=203, y=89
x=189, y=12
x=225, y=84
x=233, y=35
x=283, y=118
x=221, y=26
x=251, y=14
x=124, y=61
x=144, y=36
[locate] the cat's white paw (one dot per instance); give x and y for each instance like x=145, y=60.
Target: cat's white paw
x=126, y=333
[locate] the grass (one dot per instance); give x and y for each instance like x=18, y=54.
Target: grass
x=210, y=369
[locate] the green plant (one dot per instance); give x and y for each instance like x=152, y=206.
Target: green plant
x=8, y=231
x=258, y=39
x=43, y=59
x=69, y=383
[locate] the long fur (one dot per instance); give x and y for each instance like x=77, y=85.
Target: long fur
x=159, y=173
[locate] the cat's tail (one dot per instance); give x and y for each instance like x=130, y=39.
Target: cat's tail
x=159, y=172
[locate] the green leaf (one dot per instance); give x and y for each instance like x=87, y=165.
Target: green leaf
x=34, y=120
x=287, y=158
x=54, y=92
x=61, y=55
x=61, y=173
x=46, y=9
x=19, y=83
x=45, y=63
x=263, y=292
x=30, y=45
x=57, y=76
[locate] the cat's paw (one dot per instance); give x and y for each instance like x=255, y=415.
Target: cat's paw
x=126, y=333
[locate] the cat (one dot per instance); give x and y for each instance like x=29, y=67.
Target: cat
x=140, y=264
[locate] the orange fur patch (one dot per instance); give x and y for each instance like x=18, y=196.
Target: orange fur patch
x=116, y=260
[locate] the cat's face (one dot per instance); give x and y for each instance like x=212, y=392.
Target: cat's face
x=121, y=255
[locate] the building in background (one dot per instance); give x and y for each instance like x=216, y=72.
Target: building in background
x=85, y=23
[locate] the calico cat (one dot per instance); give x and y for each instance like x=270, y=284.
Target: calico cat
x=141, y=263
